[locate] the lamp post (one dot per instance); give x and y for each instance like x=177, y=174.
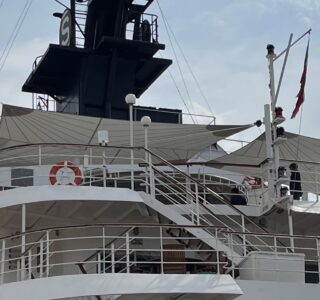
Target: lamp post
x=131, y=100
x=146, y=121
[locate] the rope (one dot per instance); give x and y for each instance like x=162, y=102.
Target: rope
x=190, y=69
x=176, y=58
x=6, y=52
x=59, y=2
x=180, y=94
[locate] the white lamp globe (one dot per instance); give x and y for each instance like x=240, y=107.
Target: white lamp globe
x=145, y=121
x=131, y=99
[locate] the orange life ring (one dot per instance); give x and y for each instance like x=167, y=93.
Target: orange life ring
x=65, y=173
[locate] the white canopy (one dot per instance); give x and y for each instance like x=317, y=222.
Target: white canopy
x=24, y=126
x=303, y=150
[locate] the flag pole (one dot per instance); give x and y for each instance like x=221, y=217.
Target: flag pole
x=283, y=68
x=296, y=41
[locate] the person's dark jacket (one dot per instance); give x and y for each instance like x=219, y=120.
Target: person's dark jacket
x=295, y=184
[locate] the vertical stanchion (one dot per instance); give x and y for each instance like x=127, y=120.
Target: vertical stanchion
x=48, y=253
x=197, y=203
x=152, y=179
x=243, y=236
x=204, y=184
x=41, y=259
x=23, y=240
x=161, y=250
x=99, y=262
x=18, y=270
x=3, y=258
x=217, y=251
x=30, y=265
x=103, y=248
x=112, y=259
x=318, y=256
x=127, y=252
x=232, y=255
x=189, y=194
x=104, y=168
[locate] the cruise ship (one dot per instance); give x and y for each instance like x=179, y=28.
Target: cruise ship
x=103, y=199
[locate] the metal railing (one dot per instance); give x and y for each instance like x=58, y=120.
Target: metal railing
x=144, y=248
x=143, y=29
x=152, y=174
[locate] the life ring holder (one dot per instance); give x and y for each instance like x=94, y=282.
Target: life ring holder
x=69, y=165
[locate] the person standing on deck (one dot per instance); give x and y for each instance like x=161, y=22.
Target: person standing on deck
x=295, y=182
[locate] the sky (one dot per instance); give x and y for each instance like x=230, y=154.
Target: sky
x=224, y=43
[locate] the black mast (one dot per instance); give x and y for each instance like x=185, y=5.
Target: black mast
x=120, y=41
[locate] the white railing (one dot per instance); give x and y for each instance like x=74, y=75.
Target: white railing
x=166, y=183
x=138, y=248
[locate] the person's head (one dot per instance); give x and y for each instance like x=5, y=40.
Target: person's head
x=258, y=180
x=293, y=166
x=235, y=190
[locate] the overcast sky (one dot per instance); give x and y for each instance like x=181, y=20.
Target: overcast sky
x=224, y=42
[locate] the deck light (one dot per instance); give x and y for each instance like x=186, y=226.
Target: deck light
x=131, y=99
x=145, y=121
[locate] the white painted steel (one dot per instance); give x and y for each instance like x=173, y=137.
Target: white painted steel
x=281, y=267
x=37, y=194
x=137, y=286
x=266, y=290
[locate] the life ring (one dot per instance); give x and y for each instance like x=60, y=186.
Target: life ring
x=65, y=173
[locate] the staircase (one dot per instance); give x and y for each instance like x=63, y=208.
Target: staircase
x=166, y=189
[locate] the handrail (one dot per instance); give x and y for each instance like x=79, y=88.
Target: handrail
x=211, y=192
x=110, y=224
x=206, y=188
x=99, y=251
x=216, y=217
x=152, y=253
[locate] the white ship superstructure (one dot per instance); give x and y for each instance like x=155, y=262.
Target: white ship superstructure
x=172, y=234
x=95, y=204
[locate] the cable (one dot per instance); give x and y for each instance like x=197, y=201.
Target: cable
x=180, y=94
x=14, y=34
x=189, y=67
x=14, y=29
x=176, y=57
x=59, y=2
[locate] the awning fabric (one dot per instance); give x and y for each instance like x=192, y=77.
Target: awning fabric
x=303, y=150
x=24, y=126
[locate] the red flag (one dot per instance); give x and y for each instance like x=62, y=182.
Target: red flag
x=302, y=85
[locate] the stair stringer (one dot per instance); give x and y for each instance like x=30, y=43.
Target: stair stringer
x=200, y=233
